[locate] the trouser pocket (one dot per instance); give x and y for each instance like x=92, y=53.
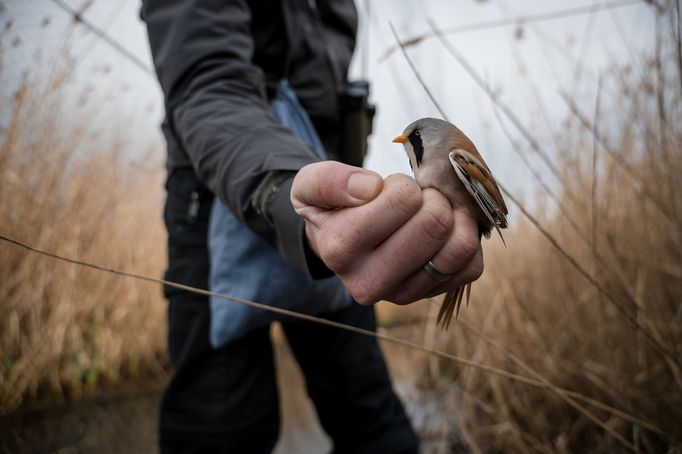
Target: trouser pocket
x=186, y=215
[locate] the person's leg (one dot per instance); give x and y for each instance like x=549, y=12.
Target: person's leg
x=347, y=379
x=218, y=400
x=222, y=400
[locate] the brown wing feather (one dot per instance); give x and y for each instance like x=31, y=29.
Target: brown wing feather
x=461, y=142
x=481, y=174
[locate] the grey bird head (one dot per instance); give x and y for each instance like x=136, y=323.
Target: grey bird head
x=425, y=136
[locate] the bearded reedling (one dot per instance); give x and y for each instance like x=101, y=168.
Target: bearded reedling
x=443, y=158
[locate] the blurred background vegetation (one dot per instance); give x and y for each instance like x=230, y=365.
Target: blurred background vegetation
x=82, y=352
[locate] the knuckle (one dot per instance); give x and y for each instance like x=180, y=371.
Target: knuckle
x=362, y=293
x=467, y=245
x=438, y=221
x=404, y=194
x=367, y=287
x=475, y=269
x=460, y=252
x=315, y=189
x=333, y=252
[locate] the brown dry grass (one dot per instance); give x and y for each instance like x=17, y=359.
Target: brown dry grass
x=72, y=190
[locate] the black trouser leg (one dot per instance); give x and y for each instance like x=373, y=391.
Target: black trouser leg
x=347, y=380
x=218, y=400
x=222, y=400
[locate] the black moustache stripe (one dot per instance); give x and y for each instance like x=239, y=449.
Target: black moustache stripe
x=417, y=146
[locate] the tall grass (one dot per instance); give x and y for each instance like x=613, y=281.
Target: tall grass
x=73, y=189
x=619, y=213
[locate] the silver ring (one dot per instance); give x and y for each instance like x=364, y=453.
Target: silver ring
x=436, y=274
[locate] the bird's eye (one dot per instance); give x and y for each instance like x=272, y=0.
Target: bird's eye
x=417, y=132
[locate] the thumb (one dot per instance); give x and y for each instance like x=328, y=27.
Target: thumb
x=331, y=184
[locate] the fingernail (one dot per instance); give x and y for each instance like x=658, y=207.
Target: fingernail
x=363, y=186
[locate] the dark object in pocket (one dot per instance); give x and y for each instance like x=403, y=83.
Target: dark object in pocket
x=357, y=115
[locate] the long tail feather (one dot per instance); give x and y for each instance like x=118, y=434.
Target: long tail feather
x=447, y=308
x=460, y=297
x=451, y=305
x=501, y=237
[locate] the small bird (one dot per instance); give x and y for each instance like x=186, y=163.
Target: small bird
x=443, y=158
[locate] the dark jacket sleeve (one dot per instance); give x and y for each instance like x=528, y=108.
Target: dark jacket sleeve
x=216, y=105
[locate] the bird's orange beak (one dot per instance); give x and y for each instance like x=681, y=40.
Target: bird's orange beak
x=401, y=139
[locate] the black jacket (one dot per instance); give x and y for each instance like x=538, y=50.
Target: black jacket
x=218, y=61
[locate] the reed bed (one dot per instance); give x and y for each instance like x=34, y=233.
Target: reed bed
x=614, y=343
x=81, y=192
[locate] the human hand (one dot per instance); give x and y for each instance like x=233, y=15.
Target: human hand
x=377, y=235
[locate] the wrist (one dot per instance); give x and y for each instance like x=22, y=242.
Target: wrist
x=291, y=238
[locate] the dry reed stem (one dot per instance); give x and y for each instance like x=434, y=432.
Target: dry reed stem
x=281, y=311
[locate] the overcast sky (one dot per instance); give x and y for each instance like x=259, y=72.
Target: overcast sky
x=523, y=62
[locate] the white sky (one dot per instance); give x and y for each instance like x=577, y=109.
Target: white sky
x=519, y=69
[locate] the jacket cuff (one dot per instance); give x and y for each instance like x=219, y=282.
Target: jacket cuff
x=290, y=233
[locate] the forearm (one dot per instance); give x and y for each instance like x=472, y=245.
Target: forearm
x=218, y=110
x=233, y=146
